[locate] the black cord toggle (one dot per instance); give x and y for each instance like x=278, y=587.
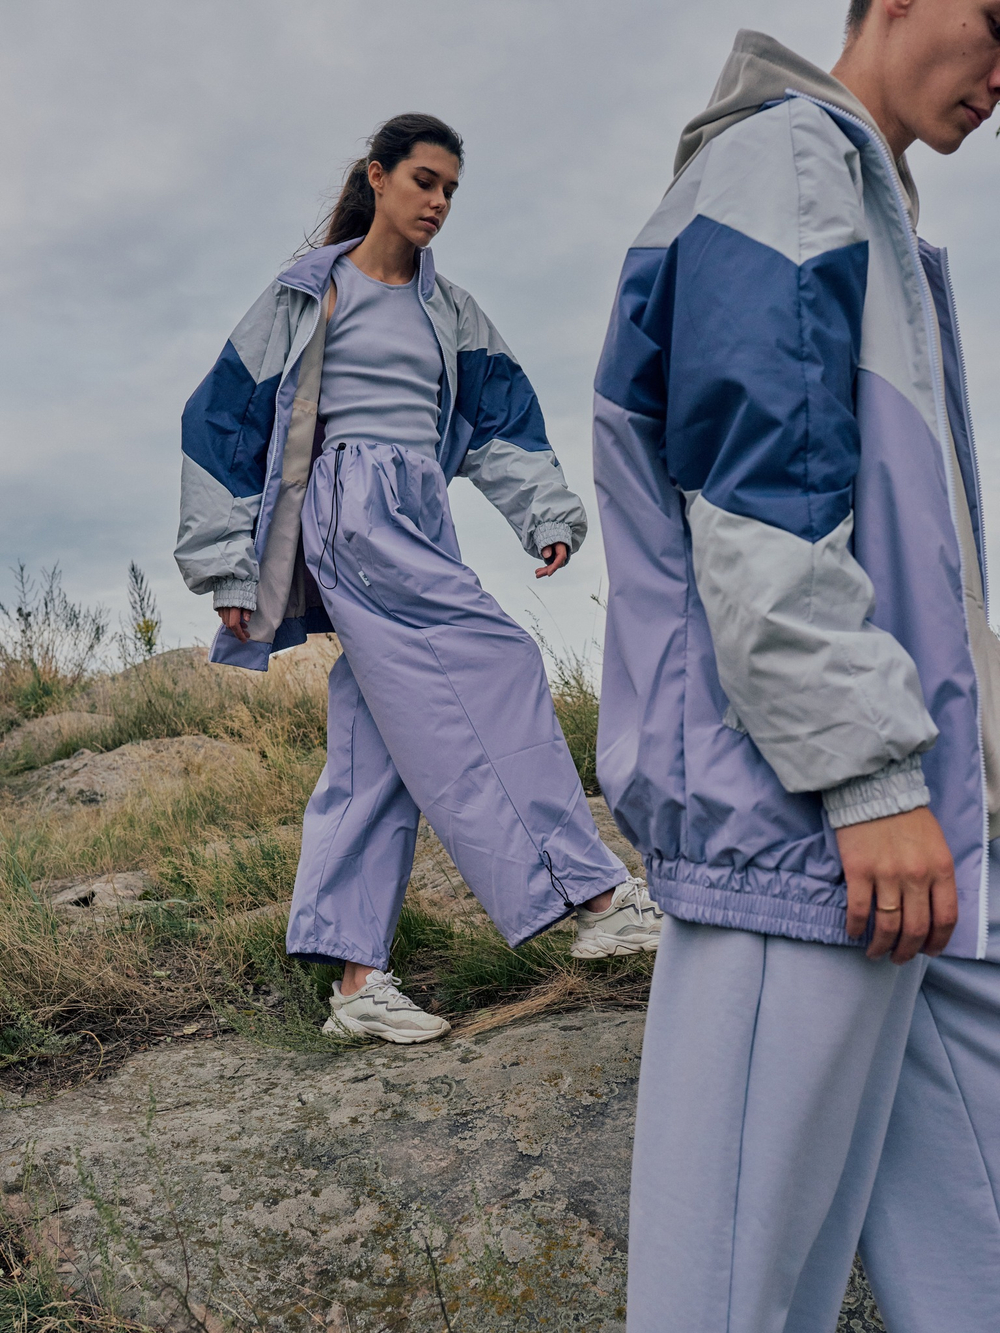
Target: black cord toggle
x=333, y=525
x=557, y=883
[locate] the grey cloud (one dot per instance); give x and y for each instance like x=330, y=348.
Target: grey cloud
x=161, y=161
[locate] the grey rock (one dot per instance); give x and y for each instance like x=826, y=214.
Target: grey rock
x=143, y=769
x=117, y=891
x=43, y=734
x=313, y=1189
x=366, y=1190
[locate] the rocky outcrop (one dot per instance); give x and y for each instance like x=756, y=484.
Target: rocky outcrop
x=306, y=667
x=155, y=768
x=364, y=1190
x=479, y=1184
x=108, y=893
x=42, y=734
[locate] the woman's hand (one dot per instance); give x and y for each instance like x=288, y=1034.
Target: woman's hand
x=236, y=618
x=555, y=557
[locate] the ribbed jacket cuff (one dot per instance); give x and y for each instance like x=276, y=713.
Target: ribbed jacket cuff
x=235, y=592
x=547, y=534
x=891, y=791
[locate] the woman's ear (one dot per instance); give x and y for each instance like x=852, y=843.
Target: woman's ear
x=376, y=176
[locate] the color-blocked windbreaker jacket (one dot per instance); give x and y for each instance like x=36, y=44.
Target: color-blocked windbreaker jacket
x=787, y=647
x=250, y=434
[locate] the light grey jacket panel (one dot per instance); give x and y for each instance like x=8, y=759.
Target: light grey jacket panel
x=826, y=696
x=215, y=540
x=529, y=489
x=824, y=693
x=760, y=70
x=526, y=485
x=264, y=334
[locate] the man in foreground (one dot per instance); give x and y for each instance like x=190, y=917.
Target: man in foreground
x=798, y=724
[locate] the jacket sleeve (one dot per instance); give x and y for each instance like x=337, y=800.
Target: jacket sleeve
x=508, y=456
x=743, y=337
x=225, y=431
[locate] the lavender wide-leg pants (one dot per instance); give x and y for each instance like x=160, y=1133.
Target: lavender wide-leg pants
x=440, y=703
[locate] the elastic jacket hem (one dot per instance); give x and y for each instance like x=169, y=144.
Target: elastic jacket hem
x=893, y=790
x=766, y=902
x=235, y=592
x=547, y=534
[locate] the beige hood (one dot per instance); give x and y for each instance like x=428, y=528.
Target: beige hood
x=759, y=70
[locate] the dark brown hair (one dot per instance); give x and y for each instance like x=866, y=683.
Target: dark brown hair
x=391, y=144
x=856, y=16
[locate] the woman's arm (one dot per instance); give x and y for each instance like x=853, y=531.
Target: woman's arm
x=508, y=456
x=225, y=431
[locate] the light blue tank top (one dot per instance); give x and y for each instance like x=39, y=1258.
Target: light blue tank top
x=382, y=365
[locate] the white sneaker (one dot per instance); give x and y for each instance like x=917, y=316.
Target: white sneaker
x=379, y=1009
x=630, y=925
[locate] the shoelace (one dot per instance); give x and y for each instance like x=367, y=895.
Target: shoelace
x=632, y=893
x=388, y=981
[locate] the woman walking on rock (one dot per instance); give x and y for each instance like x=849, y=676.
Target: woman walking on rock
x=317, y=455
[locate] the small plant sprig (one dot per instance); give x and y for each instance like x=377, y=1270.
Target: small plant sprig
x=139, y=637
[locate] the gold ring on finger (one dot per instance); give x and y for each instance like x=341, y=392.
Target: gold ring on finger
x=880, y=908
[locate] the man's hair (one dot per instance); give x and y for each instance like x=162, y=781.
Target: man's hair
x=856, y=16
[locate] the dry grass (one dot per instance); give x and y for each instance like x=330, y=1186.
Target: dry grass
x=205, y=950
x=33, y=1298
x=574, y=691
x=48, y=645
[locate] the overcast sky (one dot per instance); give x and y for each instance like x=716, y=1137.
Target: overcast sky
x=161, y=161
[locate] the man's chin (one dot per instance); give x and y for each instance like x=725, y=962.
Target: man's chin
x=946, y=139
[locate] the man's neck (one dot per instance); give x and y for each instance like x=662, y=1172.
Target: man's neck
x=865, y=80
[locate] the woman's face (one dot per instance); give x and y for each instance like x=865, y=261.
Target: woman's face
x=415, y=197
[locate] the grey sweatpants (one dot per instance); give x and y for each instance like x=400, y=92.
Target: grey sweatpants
x=769, y=1068
x=931, y=1243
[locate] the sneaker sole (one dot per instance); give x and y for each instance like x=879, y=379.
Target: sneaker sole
x=614, y=948
x=354, y=1028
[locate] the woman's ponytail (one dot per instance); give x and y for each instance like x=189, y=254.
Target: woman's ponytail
x=354, y=210
x=391, y=143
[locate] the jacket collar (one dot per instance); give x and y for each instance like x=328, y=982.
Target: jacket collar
x=761, y=70
x=311, y=273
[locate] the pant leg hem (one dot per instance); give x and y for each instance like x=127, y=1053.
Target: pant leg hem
x=341, y=960
x=577, y=898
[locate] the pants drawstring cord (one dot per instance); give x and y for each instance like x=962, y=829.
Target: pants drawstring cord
x=333, y=525
x=557, y=883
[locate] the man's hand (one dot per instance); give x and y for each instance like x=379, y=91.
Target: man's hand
x=237, y=619
x=901, y=864
x=555, y=557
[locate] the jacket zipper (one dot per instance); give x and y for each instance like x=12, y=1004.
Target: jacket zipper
x=288, y=367
x=931, y=331
x=443, y=431
x=984, y=897
x=967, y=413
